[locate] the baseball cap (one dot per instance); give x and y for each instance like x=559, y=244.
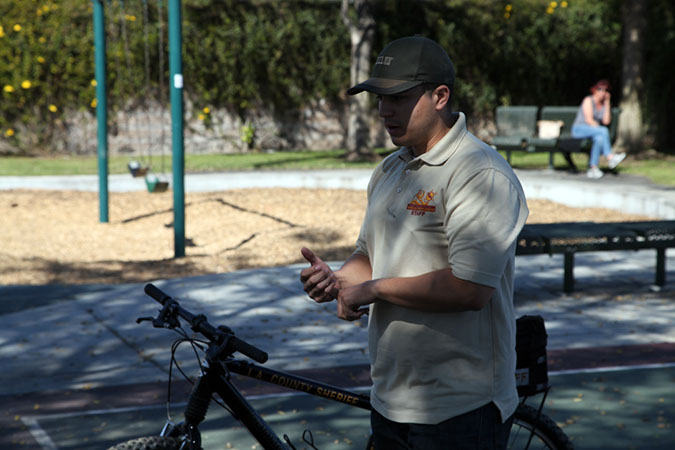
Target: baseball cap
x=405, y=63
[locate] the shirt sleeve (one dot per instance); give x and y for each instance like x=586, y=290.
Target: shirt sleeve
x=361, y=245
x=362, y=241
x=483, y=218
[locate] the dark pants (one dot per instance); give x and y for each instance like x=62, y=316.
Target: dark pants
x=481, y=428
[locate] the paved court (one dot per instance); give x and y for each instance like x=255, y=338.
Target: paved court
x=79, y=373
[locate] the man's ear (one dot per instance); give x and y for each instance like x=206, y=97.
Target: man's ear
x=442, y=97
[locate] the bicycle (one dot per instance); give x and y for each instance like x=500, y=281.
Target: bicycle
x=531, y=428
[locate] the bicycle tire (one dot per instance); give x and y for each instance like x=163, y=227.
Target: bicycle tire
x=544, y=431
x=149, y=443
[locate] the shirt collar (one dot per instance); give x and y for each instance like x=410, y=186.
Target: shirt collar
x=443, y=149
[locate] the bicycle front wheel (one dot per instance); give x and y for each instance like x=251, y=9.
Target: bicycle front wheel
x=149, y=443
x=530, y=431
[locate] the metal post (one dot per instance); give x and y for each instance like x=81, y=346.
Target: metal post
x=568, y=280
x=177, y=140
x=661, y=267
x=101, y=109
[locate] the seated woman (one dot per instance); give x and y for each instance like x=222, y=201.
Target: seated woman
x=593, y=118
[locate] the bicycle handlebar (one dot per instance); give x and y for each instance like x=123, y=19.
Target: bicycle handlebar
x=200, y=324
x=156, y=293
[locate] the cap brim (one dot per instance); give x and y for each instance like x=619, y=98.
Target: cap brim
x=383, y=86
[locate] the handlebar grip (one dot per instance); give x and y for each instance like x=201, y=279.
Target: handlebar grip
x=247, y=349
x=156, y=293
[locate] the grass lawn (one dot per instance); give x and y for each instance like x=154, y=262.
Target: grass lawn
x=660, y=170
x=333, y=159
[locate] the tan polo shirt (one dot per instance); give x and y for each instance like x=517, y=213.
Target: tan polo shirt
x=460, y=206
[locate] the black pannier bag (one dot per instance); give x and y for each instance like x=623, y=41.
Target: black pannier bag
x=531, y=367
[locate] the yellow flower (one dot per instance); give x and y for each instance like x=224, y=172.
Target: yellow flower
x=202, y=117
x=206, y=110
x=39, y=12
x=53, y=108
x=42, y=39
x=550, y=10
x=16, y=27
x=507, y=15
x=26, y=84
x=553, y=4
x=2, y=32
x=9, y=132
x=508, y=8
x=45, y=8
x=94, y=83
x=93, y=103
x=40, y=59
x=130, y=17
x=563, y=4
x=8, y=88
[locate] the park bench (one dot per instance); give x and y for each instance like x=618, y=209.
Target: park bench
x=574, y=237
x=518, y=130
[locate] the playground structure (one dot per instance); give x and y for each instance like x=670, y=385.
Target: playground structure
x=177, y=136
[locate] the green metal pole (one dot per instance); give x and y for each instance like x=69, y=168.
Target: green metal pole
x=177, y=140
x=101, y=110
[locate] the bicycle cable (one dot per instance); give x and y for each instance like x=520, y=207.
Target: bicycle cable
x=196, y=346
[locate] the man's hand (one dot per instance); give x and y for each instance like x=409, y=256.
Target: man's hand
x=318, y=281
x=352, y=302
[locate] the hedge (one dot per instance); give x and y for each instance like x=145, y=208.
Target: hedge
x=280, y=55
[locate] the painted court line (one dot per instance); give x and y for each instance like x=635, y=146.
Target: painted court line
x=667, y=365
x=40, y=435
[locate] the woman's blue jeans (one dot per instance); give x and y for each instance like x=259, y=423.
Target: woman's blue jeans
x=600, y=137
x=479, y=429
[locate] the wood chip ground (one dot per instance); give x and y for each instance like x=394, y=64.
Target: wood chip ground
x=56, y=237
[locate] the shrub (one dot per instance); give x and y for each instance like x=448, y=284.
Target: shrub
x=281, y=55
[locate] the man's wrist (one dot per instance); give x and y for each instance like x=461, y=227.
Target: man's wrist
x=375, y=288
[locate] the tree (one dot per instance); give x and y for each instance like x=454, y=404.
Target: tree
x=630, y=134
x=362, y=34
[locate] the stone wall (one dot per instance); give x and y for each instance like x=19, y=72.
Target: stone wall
x=147, y=131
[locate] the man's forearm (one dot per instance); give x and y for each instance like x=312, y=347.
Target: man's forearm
x=438, y=291
x=354, y=271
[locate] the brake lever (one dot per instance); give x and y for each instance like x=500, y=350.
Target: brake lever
x=165, y=318
x=157, y=322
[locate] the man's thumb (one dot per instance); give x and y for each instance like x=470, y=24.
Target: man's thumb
x=310, y=256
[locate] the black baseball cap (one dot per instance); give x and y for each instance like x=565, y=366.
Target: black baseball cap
x=405, y=63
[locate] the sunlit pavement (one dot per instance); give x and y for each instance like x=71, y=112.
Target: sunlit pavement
x=605, y=409
x=611, y=353
x=79, y=373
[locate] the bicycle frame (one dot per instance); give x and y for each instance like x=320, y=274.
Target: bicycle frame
x=215, y=378
x=301, y=384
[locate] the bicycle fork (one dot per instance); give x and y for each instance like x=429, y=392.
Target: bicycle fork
x=215, y=381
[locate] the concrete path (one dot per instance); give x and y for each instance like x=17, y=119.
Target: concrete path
x=632, y=194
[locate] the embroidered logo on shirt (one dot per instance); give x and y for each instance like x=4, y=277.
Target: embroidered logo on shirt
x=419, y=205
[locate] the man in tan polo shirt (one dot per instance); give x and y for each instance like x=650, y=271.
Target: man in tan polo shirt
x=433, y=265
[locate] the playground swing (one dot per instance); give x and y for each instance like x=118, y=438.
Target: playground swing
x=143, y=168
x=136, y=169
x=152, y=182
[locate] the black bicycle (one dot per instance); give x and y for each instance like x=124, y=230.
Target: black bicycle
x=531, y=428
